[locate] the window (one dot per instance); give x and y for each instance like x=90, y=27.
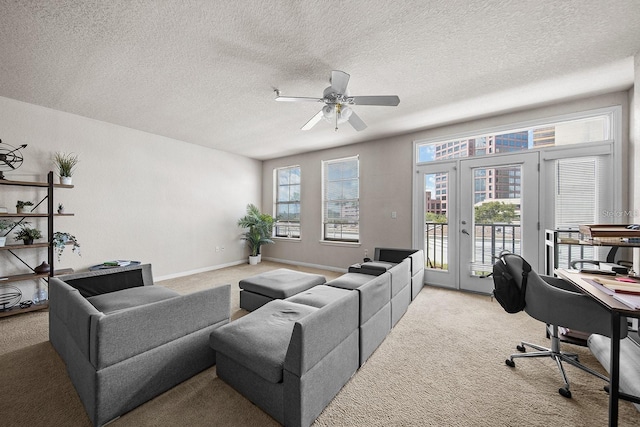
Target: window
x=587, y=129
x=287, y=202
x=341, y=200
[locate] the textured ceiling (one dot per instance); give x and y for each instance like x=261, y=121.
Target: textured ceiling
x=204, y=71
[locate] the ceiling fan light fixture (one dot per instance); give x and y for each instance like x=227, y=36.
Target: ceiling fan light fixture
x=337, y=100
x=329, y=112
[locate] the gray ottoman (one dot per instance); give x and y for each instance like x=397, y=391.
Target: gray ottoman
x=282, y=283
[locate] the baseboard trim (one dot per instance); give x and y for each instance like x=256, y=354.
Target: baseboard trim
x=199, y=270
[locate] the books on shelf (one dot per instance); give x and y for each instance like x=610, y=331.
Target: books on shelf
x=119, y=263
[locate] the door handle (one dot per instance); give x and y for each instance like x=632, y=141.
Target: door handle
x=465, y=232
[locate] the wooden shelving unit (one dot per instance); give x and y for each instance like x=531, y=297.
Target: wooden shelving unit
x=13, y=249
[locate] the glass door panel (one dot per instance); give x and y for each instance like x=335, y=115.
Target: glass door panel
x=498, y=212
x=436, y=188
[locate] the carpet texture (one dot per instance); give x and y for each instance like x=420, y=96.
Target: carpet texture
x=442, y=365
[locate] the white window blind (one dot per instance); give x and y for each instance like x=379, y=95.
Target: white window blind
x=577, y=187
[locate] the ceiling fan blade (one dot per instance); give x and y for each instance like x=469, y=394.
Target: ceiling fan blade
x=297, y=99
x=357, y=122
x=312, y=122
x=339, y=81
x=391, y=100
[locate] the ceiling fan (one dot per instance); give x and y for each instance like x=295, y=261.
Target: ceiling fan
x=337, y=103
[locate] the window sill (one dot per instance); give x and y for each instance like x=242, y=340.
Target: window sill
x=287, y=239
x=337, y=243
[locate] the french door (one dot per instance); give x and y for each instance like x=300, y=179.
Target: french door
x=436, y=187
x=473, y=209
x=499, y=211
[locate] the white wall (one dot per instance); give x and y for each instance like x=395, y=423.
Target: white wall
x=386, y=185
x=137, y=195
x=385, y=170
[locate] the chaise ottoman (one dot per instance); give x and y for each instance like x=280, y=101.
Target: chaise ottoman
x=256, y=291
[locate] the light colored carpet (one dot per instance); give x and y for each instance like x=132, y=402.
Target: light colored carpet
x=442, y=365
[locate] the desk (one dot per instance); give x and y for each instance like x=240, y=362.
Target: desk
x=617, y=310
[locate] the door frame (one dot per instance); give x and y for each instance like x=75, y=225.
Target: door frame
x=443, y=278
x=529, y=161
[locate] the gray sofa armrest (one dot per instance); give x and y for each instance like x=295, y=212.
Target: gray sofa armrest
x=317, y=334
x=417, y=262
x=126, y=333
x=69, y=315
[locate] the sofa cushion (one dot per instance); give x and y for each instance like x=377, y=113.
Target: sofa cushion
x=259, y=341
x=351, y=281
x=281, y=283
x=374, y=268
x=131, y=297
x=319, y=296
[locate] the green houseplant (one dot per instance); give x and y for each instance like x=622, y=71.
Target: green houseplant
x=21, y=207
x=27, y=234
x=66, y=163
x=260, y=227
x=61, y=239
x=4, y=225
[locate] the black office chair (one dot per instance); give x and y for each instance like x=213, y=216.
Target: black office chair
x=557, y=302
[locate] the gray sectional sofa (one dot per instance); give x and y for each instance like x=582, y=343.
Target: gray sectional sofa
x=125, y=340
x=374, y=312
x=415, y=257
x=290, y=357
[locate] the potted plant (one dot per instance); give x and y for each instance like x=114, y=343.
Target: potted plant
x=253, y=239
x=60, y=208
x=27, y=234
x=65, y=162
x=21, y=207
x=61, y=239
x=4, y=225
x=260, y=227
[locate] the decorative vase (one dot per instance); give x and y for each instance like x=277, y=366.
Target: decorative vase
x=65, y=180
x=40, y=296
x=253, y=260
x=28, y=241
x=21, y=210
x=42, y=268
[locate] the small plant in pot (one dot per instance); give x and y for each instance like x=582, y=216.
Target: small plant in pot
x=4, y=226
x=66, y=163
x=60, y=208
x=27, y=234
x=61, y=239
x=23, y=207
